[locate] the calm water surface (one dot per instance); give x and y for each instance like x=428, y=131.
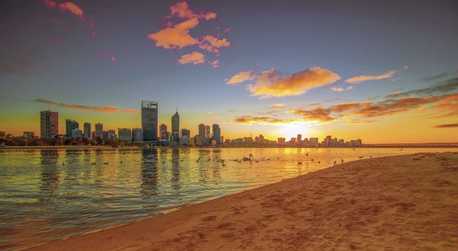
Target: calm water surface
x=53, y=194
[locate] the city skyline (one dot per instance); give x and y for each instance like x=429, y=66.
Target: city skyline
x=320, y=68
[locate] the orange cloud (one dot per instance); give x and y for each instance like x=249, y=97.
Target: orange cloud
x=213, y=44
x=271, y=84
x=364, y=78
x=447, y=126
x=176, y=36
x=72, y=8
x=241, y=77
x=182, y=10
x=108, y=109
x=192, y=58
x=446, y=104
x=259, y=120
x=65, y=6
x=316, y=114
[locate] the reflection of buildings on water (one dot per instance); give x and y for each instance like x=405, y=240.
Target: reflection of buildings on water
x=203, y=160
x=216, y=156
x=149, y=172
x=49, y=173
x=175, y=181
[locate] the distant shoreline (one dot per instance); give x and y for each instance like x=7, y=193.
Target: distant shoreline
x=103, y=147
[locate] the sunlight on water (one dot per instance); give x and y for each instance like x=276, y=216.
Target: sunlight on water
x=52, y=194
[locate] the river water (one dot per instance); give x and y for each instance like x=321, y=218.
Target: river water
x=53, y=194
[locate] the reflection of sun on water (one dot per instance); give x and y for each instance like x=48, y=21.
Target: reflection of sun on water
x=292, y=129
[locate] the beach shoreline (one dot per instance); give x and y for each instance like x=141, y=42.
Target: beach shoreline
x=369, y=204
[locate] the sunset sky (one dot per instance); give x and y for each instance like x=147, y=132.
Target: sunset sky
x=383, y=71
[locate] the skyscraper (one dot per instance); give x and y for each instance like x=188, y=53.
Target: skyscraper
x=207, y=134
x=87, y=130
x=176, y=128
x=185, y=136
x=49, y=124
x=70, y=126
x=216, y=133
x=99, y=130
x=125, y=134
x=137, y=134
x=149, y=120
x=202, y=130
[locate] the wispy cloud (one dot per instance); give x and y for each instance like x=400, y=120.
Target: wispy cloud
x=270, y=83
x=94, y=108
x=455, y=125
x=441, y=88
x=341, y=89
x=364, y=78
x=177, y=35
x=194, y=57
x=241, y=77
x=445, y=104
x=278, y=106
x=259, y=120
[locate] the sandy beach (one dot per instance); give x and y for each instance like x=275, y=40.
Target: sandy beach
x=391, y=203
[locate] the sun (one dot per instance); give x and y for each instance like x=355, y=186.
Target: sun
x=292, y=129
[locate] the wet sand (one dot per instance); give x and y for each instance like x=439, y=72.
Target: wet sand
x=391, y=203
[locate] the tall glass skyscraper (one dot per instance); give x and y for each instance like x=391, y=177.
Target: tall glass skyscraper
x=176, y=128
x=49, y=124
x=217, y=133
x=149, y=120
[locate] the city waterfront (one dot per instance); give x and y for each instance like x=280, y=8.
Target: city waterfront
x=55, y=193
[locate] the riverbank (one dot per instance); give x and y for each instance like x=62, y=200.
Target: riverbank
x=389, y=203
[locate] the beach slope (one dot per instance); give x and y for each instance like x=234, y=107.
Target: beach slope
x=391, y=203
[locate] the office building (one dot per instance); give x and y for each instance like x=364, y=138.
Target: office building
x=216, y=133
x=149, y=120
x=49, y=124
x=137, y=134
x=185, y=136
x=164, y=134
x=76, y=133
x=99, y=130
x=70, y=126
x=87, y=130
x=125, y=134
x=176, y=128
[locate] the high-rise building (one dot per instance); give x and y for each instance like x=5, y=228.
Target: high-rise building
x=87, y=130
x=49, y=124
x=70, y=126
x=137, y=134
x=164, y=134
x=185, y=136
x=202, y=130
x=149, y=120
x=216, y=133
x=99, y=130
x=175, y=128
x=207, y=133
x=125, y=134
x=299, y=139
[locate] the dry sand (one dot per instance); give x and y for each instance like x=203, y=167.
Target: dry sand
x=391, y=203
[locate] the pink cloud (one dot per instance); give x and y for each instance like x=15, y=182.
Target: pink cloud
x=192, y=58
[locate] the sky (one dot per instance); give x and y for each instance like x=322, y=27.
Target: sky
x=382, y=71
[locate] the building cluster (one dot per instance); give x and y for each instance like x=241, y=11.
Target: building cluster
x=153, y=133
x=149, y=133
x=298, y=141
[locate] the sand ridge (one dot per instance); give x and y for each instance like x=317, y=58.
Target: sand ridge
x=390, y=203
